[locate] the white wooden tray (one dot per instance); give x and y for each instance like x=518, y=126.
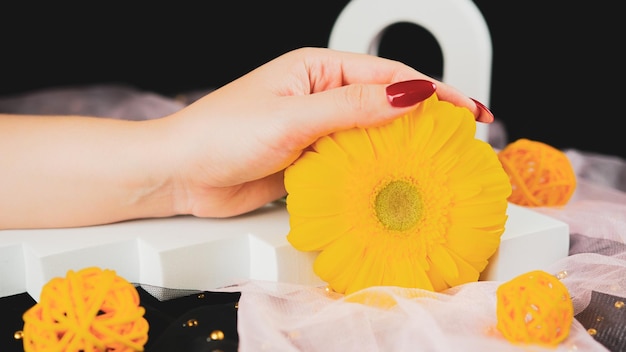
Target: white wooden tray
x=192, y=253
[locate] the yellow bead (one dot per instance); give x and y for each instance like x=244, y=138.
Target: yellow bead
x=191, y=323
x=217, y=335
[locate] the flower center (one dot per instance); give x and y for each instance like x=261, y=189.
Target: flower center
x=398, y=205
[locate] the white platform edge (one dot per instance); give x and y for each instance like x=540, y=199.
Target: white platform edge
x=192, y=253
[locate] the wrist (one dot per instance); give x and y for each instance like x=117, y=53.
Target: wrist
x=152, y=188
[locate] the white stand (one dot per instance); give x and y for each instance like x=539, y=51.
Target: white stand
x=192, y=253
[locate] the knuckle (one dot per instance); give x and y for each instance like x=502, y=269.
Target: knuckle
x=355, y=97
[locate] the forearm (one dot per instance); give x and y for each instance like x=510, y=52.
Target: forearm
x=77, y=171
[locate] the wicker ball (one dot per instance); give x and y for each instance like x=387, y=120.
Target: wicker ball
x=536, y=308
x=540, y=174
x=89, y=310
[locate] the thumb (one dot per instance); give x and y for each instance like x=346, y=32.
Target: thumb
x=355, y=105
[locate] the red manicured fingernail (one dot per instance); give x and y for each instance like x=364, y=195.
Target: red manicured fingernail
x=484, y=115
x=407, y=93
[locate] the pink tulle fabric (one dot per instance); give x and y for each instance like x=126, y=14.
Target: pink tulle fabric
x=286, y=317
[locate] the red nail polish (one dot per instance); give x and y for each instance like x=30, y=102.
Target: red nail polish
x=407, y=93
x=484, y=115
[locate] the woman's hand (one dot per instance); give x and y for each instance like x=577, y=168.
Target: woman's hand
x=233, y=144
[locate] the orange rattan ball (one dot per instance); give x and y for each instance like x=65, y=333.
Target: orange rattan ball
x=91, y=310
x=536, y=308
x=540, y=174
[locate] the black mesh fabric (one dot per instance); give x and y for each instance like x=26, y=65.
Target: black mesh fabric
x=214, y=317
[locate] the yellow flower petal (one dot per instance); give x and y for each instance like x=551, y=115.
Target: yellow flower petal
x=461, y=240
x=405, y=272
x=354, y=143
x=368, y=273
x=337, y=263
x=443, y=262
x=314, y=235
x=467, y=271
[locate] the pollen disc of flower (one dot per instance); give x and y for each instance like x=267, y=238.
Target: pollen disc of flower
x=398, y=205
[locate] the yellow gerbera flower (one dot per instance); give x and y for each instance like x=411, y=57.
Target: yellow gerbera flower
x=419, y=202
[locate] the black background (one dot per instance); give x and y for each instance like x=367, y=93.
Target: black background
x=558, y=66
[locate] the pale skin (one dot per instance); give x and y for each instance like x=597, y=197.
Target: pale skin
x=222, y=156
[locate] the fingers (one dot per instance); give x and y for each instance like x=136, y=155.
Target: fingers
x=355, y=105
x=484, y=114
x=408, y=93
x=250, y=196
x=328, y=69
x=451, y=95
x=359, y=105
